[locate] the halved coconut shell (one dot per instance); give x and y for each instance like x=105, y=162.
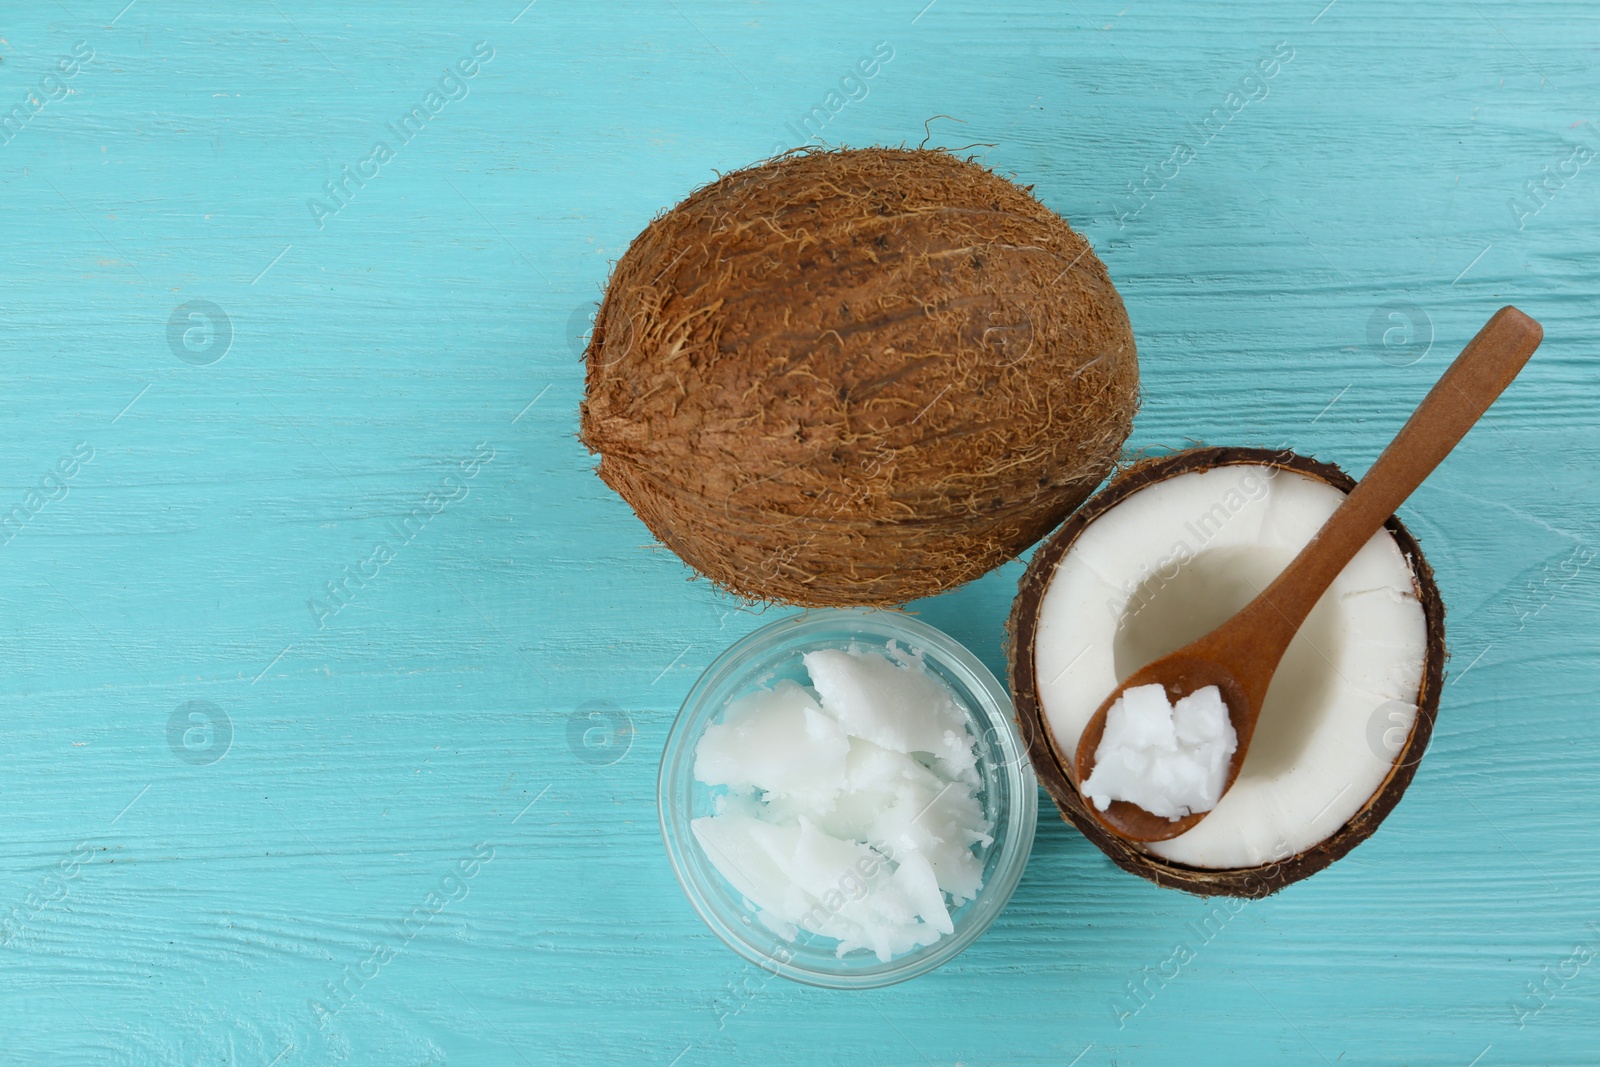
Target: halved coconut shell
x=1051, y=764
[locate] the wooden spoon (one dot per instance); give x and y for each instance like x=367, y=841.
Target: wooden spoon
x=1240, y=656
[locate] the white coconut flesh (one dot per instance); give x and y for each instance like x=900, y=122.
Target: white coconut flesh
x=1178, y=557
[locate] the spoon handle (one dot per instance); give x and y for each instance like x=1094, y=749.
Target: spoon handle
x=1458, y=400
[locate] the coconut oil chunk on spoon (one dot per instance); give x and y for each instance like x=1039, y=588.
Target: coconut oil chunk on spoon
x=1167, y=744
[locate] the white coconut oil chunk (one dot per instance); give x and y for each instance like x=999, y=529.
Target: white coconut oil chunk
x=850, y=807
x=1176, y=559
x=1170, y=759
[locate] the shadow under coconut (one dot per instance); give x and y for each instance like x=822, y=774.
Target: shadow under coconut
x=1208, y=589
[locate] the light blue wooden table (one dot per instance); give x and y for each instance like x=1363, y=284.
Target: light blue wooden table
x=246, y=357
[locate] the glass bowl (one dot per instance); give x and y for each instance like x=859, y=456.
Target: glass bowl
x=1008, y=793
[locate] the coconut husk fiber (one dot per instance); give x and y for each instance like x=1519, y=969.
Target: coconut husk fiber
x=857, y=377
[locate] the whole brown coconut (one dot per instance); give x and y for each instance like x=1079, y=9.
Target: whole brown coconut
x=858, y=376
x=1051, y=764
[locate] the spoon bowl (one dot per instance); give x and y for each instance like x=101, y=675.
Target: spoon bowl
x=1181, y=673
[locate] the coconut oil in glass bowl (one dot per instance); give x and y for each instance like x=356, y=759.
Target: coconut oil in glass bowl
x=1004, y=785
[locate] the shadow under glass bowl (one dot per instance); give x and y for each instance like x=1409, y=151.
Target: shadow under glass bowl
x=1008, y=793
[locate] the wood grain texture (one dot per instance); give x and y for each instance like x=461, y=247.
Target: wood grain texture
x=164, y=911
